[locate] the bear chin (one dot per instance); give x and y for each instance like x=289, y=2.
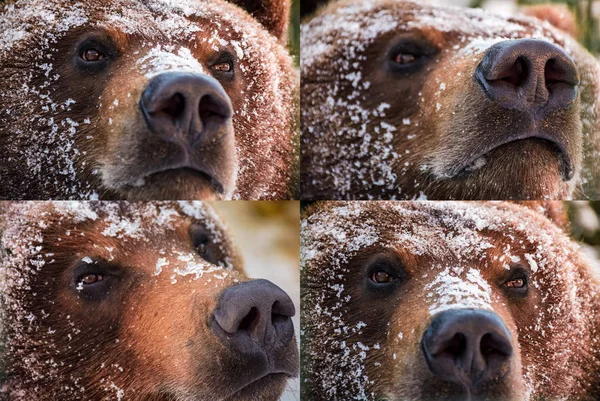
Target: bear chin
x=175, y=184
x=520, y=170
x=269, y=387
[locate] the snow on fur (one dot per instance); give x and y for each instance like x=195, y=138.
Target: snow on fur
x=53, y=142
x=23, y=226
x=462, y=240
x=356, y=146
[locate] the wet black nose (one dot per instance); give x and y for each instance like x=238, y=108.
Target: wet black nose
x=255, y=317
x=469, y=347
x=528, y=73
x=188, y=107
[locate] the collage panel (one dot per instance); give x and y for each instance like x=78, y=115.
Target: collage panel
x=148, y=100
x=450, y=301
x=149, y=301
x=425, y=100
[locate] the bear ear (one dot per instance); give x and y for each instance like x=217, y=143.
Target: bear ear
x=557, y=15
x=554, y=210
x=272, y=14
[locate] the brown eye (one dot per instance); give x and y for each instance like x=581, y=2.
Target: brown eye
x=223, y=67
x=201, y=248
x=92, y=55
x=518, y=283
x=381, y=277
x=92, y=278
x=404, y=58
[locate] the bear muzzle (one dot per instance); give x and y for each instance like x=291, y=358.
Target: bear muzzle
x=469, y=347
x=253, y=320
x=189, y=135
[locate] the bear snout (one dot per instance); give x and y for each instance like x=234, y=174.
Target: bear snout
x=253, y=319
x=186, y=107
x=472, y=348
x=528, y=74
x=187, y=138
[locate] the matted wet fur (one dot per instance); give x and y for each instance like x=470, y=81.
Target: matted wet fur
x=374, y=128
x=362, y=339
x=142, y=332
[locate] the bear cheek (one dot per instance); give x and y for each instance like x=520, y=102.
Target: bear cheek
x=169, y=329
x=467, y=121
x=119, y=121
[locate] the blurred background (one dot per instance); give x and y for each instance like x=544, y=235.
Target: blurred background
x=268, y=236
x=585, y=227
x=585, y=12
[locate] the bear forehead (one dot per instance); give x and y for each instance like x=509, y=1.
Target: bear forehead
x=467, y=230
x=356, y=24
x=25, y=223
x=25, y=20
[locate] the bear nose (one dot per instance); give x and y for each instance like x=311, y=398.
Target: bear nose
x=528, y=73
x=180, y=106
x=255, y=316
x=469, y=347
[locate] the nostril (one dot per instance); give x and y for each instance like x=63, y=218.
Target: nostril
x=516, y=74
x=211, y=108
x=556, y=71
x=276, y=317
x=249, y=321
x=172, y=107
x=490, y=346
x=456, y=346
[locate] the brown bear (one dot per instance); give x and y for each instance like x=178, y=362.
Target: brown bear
x=402, y=100
x=147, y=99
x=135, y=301
x=446, y=301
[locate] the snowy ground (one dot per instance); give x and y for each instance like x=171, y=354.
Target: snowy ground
x=268, y=234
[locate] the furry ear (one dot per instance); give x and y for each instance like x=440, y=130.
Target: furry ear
x=554, y=210
x=557, y=15
x=272, y=14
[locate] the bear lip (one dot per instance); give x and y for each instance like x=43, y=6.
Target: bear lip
x=189, y=170
x=465, y=167
x=259, y=380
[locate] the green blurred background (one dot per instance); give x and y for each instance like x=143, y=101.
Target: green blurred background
x=586, y=12
x=294, y=31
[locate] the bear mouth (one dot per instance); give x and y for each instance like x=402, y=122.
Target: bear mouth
x=259, y=386
x=177, y=174
x=478, y=160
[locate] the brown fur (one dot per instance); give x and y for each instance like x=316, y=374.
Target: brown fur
x=70, y=133
x=362, y=343
x=371, y=133
x=150, y=339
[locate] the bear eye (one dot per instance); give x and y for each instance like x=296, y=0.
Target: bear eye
x=91, y=278
x=381, y=277
x=92, y=55
x=405, y=58
x=222, y=67
x=201, y=248
x=518, y=283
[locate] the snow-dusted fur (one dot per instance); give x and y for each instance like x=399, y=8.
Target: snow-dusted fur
x=371, y=133
x=68, y=133
x=364, y=344
x=148, y=337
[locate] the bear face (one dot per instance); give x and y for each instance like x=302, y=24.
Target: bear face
x=135, y=301
x=445, y=301
x=147, y=100
x=402, y=100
